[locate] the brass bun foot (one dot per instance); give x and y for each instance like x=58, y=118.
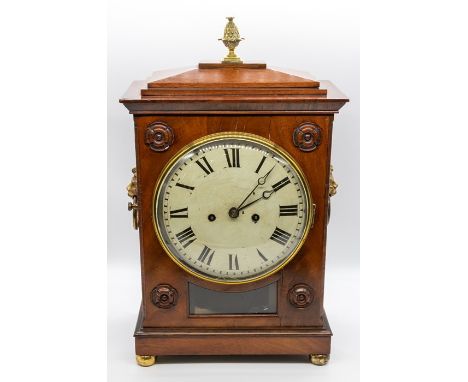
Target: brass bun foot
x=146, y=360
x=319, y=359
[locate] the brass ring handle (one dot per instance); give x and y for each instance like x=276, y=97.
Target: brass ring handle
x=332, y=186
x=132, y=192
x=134, y=208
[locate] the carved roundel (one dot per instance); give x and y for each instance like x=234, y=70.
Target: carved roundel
x=307, y=136
x=164, y=296
x=301, y=295
x=159, y=136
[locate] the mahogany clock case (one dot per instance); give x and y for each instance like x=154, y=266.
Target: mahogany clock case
x=277, y=106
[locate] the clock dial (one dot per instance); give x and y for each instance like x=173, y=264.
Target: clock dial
x=232, y=208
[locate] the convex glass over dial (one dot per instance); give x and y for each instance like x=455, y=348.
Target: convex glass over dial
x=232, y=208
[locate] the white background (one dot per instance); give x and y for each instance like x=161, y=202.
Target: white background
x=323, y=40
x=413, y=195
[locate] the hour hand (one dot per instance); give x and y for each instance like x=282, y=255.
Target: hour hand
x=260, y=182
x=265, y=195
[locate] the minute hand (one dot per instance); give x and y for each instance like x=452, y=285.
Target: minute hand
x=265, y=195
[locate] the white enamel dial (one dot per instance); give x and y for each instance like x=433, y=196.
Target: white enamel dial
x=232, y=208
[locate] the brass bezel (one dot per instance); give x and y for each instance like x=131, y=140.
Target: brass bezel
x=249, y=137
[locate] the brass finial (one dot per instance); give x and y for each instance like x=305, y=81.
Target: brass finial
x=230, y=40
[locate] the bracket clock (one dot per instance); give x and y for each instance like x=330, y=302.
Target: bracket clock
x=231, y=197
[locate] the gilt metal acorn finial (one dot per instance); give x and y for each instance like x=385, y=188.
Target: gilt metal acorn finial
x=230, y=40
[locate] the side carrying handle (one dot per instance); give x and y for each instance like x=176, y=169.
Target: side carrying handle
x=331, y=191
x=132, y=192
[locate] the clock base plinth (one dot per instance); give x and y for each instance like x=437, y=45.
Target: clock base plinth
x=310, y=341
